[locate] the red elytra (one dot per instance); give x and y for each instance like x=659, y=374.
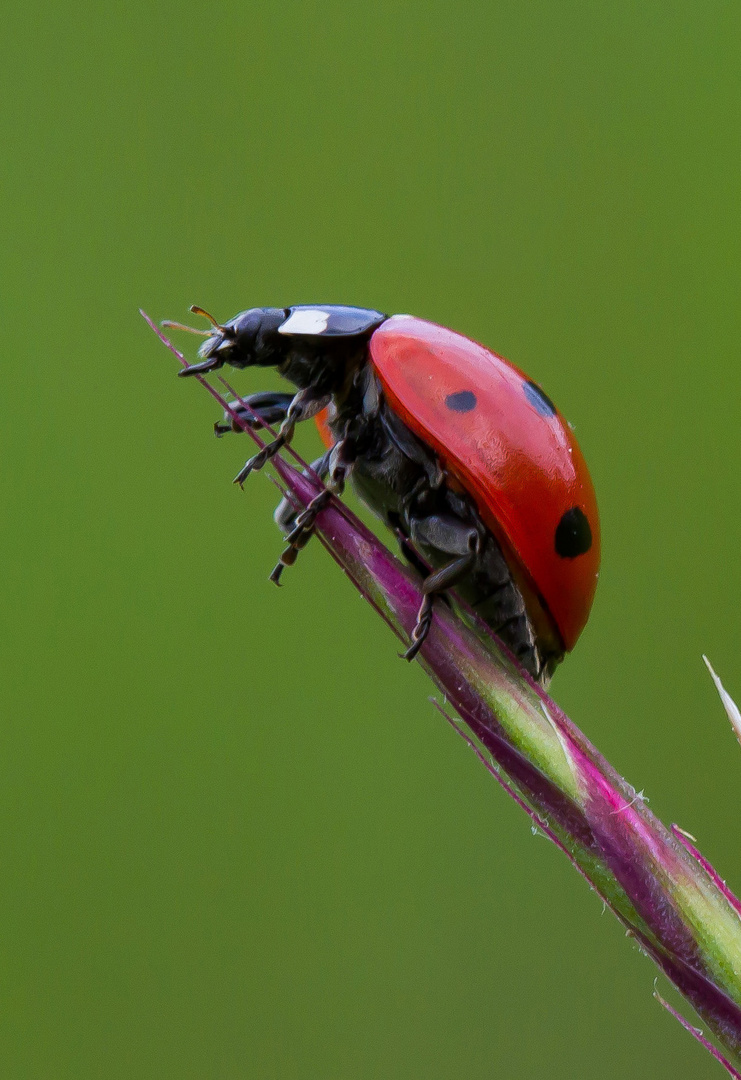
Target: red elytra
x=506, y=445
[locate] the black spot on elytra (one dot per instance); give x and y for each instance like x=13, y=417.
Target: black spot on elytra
x=538, y=399
x=573, y=534
x=463, y=401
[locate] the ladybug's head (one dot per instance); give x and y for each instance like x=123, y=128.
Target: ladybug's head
x=250, y=338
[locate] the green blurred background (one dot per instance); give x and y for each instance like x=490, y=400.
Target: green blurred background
x=236, y=840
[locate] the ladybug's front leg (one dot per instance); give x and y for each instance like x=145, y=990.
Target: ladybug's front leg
x=255, y=411
x=452, y=536
x=305, y=404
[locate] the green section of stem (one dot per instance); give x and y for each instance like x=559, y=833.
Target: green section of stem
x=524, y=719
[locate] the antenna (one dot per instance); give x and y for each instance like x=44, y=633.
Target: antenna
x=181, y=326
x=227, y=331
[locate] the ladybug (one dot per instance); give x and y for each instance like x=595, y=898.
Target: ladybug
x=455, y=448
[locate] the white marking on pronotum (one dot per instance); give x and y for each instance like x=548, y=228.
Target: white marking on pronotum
x=732, y=710
x=308, y=321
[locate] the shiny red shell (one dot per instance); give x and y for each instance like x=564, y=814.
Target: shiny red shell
x=502, y=439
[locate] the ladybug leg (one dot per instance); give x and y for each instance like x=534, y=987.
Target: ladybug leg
x=445, y=578
x=335, y=465
x=452, y=536
x=413, y=450
x=305, y=404
x=411, y=555
x=286, y=513
x=269, y=407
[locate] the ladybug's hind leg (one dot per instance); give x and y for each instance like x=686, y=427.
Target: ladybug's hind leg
x=450, y=536
x=305, y=404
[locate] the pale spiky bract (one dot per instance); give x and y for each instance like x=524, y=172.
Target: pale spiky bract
x=732, y=710
x=654, y=879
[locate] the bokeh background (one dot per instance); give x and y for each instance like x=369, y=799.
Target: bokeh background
x=236, y=840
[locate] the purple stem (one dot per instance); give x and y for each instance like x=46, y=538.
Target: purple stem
x=684, y=839
x=612, y=824
x=697, y=1034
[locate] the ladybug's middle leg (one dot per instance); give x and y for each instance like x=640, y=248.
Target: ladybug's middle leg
x=305, y=404
x=335, y=465
x=452, y=536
